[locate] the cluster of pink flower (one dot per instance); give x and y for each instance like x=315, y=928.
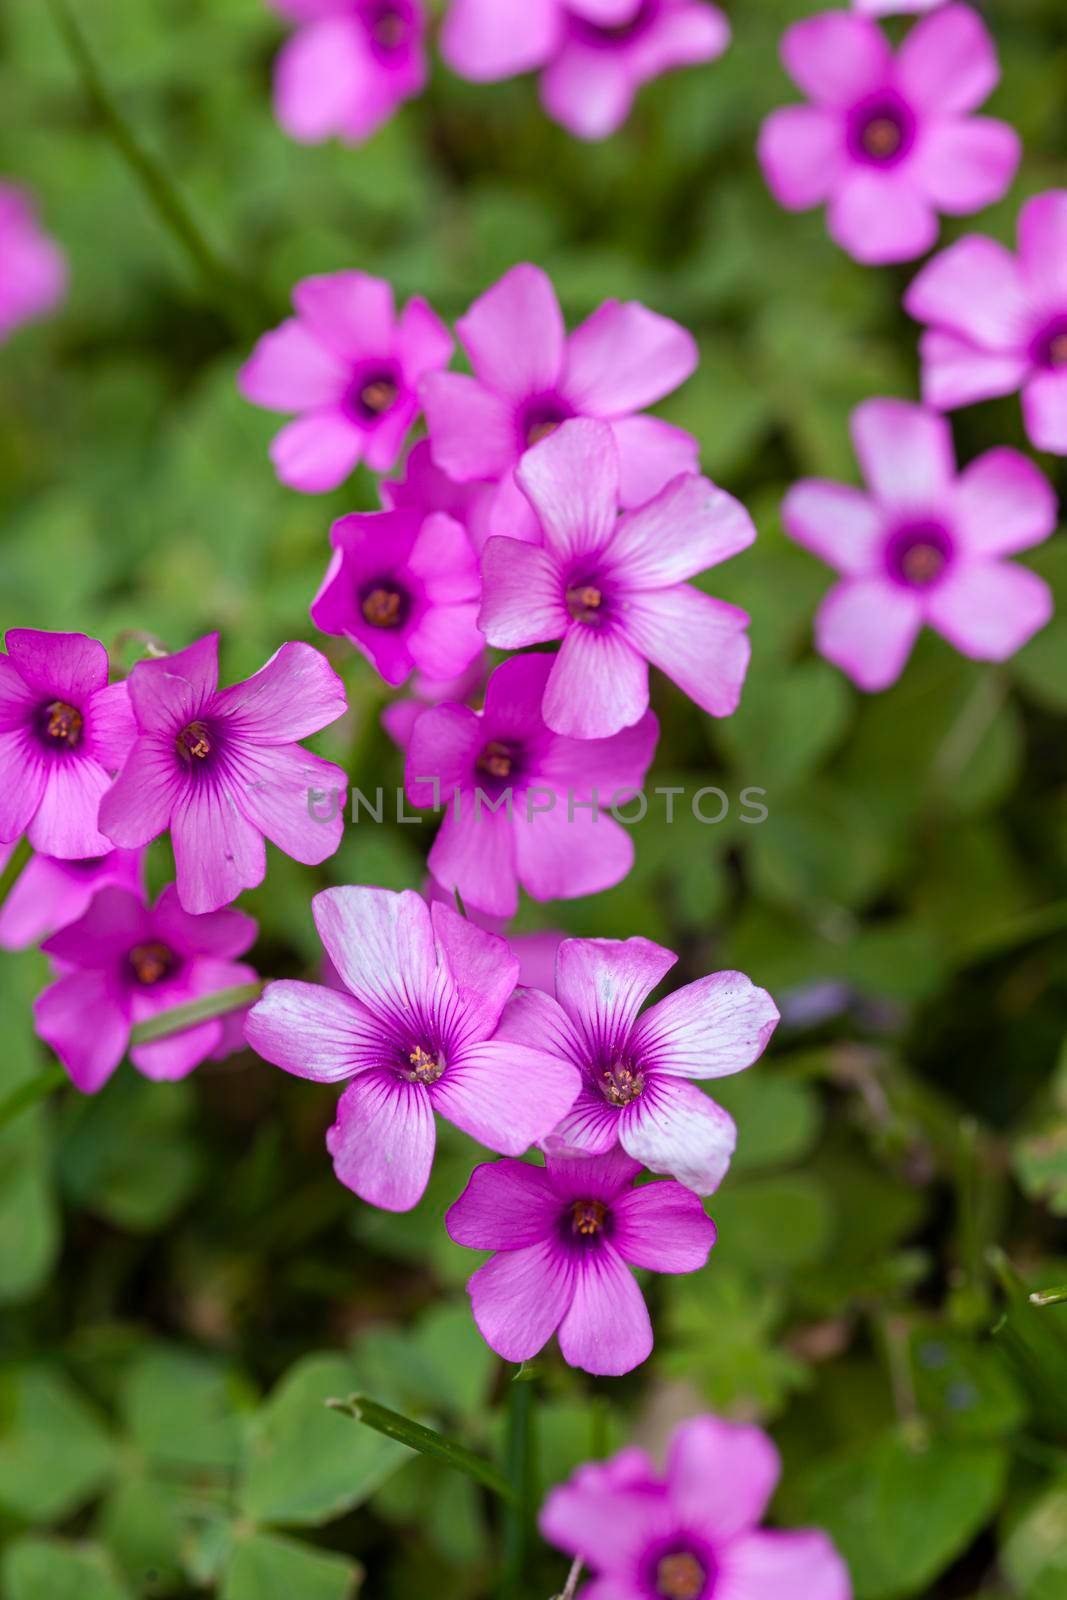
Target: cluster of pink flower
x=351, y=63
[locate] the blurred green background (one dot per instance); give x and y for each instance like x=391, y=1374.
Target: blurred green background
x=182, y=1281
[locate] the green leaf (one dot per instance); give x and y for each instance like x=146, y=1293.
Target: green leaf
x=964, y=1389
x=772, y=1223
x=127, y=1153
x=142, y=1525
x=265, y=1567
x=1034, y=1556
x=777, y=1119
x=182, y=1413
x=38, y=1569
x=54, y=1452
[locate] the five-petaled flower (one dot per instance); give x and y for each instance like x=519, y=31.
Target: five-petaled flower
x=565, y=1237
x=635, y=1065
x=351, y=368
x=222, y=768
x=524, y=803
x=923, y=545
x=614, y=588
x=889, y=140
x=349, y=65
x=693, y=1532
x=124, y=962
x=414, y=1034
x=64, y=732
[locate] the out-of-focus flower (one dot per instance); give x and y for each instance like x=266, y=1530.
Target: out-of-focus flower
x=404, y=588
x=33, y=272
x=348, y=67
x=414, y=1034
x=596, y=54
x=530, y=376
x=399, y=718
x=694, y=1533
x=523, y=803
x=64, y=731
x=614, y=588
x=923, y=545
x=222, y=768
x=565, y=1237
x=889, y=140
x=424, y=487
x=123, y=962
x=635, y=1067
x=895, y=8
x=349, y=367
x=49, y=894
x=998, y=322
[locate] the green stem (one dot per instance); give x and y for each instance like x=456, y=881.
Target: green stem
x=1049, y=1297
x=234, y=296
x=427, y=1441
x=29, y=1092
x=11, y=873
x=202, y=1010
x=521, y=1473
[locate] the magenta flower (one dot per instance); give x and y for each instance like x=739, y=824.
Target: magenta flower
x=222, y=769
x=523, y=802
x=123, y=962
x=635, y=1067
x=350, y=368
x=565, y=1236
x=888, y=140
x=349, y=65
x=64, y=731
x=49, y=894
x=998, y=323
x=596, y=53
x=529, y=376
x=33, y=272
x=424, y=487
x=414, y=1034
x=400, y=716
x=923, y=545
x=894, y=8
x=404, y=588
x=535, y=952
x=614, y=589
x=693, y=1534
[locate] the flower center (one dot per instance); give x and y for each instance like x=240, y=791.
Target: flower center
x=425, y=1066
x=378, y=395
x=584, y=602
x=540, y=430
x=881, y=130
x=882, y=138
x=539, y=418
x=621, y=31
x=496, y=760
x=1057, y=350
x=621, y=1084
x=384, y=606
x=194, y=743
x=62, y=724
x=389, y=28
x=680, y=1577
x=918, y=557
x=587, y=1217
x=151, y=963
x=1049, y=348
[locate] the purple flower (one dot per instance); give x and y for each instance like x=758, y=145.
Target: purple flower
x=529, y=376
x=348, y=66
x=998, y=323
x=424, y=487
x=123, y=962
x=33, y=273
x=923, y=545
x=399, y=717
x=404, y=588
x=535, y=952
x=221, y=768
x=693, y=1534
x=63, y=732
x=614, y=590
x=894, y=8
x=596, y=53
x=50, y=894
x=888, y=141
x=350, y=368
x=635, y=1067
x=414, y=1035
x=523, y=802
x=565, y=1237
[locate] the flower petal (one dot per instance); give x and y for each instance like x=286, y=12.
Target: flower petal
x=689, y=526
x=905, y=451
x=314, y=1032
x=572, y=481
x=989, y=609
x=65, y=822
x=716, y=1026
x=519, y=1297
x=317, y=452
x=956, y=373
x=948, y=62
x=514, y=333
x=382, y=1143
x=217, y=851
x=320, y=78
x=505, y=1095
x=881, y=217
x=1004, y=504
x=482, y=965
x=381, y=944
x=475, y=854
x=534, y=1018
x=973, y=288
x=484, y=41
x=587, y=90
x=472, y=428
x=172, y=691
x=802, y=152
x=506, y=1205
x=522, y=599
x=625, y=357
x=81, y=1019
x=675, y=1129
x=598, y=684
x=111, y=728
x=839, y=524
x=721, y=1476
x=562, y=853
x=291, y=370
x=651, y=453
x=964, y=164
x=836, y=58
x=606, y=1330
x=602, y=984
x=764, y=1566
x=698, y=641
x=283, y=791
x=1043, y=245
x=295, y=694
x=143, y=798
x=1045, y=410
x=867, y=627
x=662, y=1226
x=68, y=666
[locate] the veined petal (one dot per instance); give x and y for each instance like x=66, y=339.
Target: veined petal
x=382, y=1143
x=534, y=1018
x=217, y=851
x=690, y=526
x=381, y=944
x=698, y=641
x=572, y=481
x=295, y=694
x=606, y=1329
x=625, y=357
x=143, y=798
x=483, y=968
x=602, y=984
x=170, y=692
x=505, y=1095
x=314, y=1032
x=598, y=684
x=65, y=822
x=675, y=1129
x=708, y=1029
x=663, y=1227
x=522, y=598
x=506, y=1205
x=69, y=666
x=281, y=790
x=514, y=333
x=520, y=1296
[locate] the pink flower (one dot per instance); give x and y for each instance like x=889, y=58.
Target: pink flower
x=998, y=323
x=33, y=273
x=924, y=545
x=222, y=769
x=614, y=590
x=693, y=1534
x=49, y=893
x=635, y=1067
x=404, y=588
x=565, y=1236
x=348, y=66
x=529, y=376
x=894, y=8
x=424, y=487
x=124, y=962
x=399, y=718
x=596, y=53
x=523, y=801
x=888, y=141
x=63, y=732
x=350, y=368
x=535, y=952
x=414, y=1035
